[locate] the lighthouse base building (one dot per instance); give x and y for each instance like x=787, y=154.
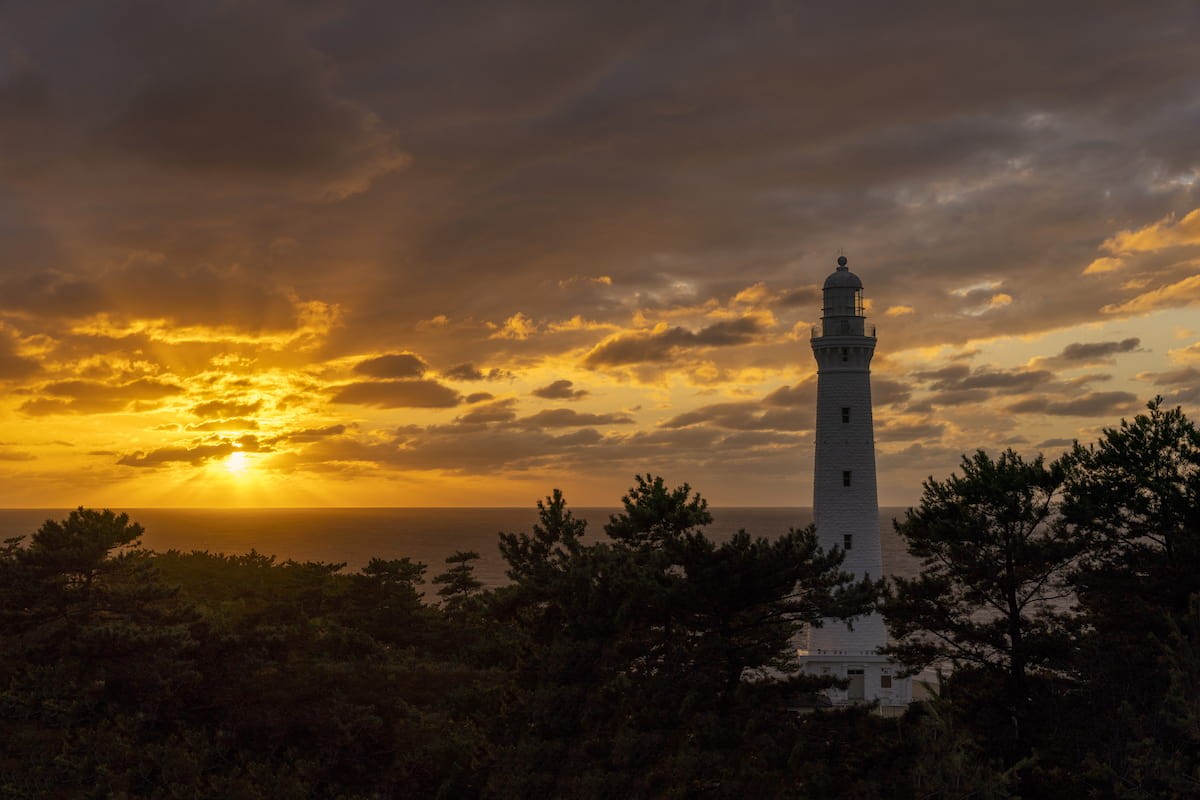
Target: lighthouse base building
x=846, y=500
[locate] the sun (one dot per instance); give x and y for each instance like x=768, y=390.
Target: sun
x=237, y=463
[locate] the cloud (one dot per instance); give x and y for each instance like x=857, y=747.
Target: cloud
x=1178, y=386
x=258, y=111
x=14, y=367
x=518, y=326
x=885, y=391
x=196, y=455
x=149, y=289
x=1185, y=292
x=1185, y=354
x=802, y=395
x=744, y=416
x=1167, y=232
x=468, y=372
x=1096, y=404
x=925, y=430
x=209, y=193
x=960, y=378
x=1103, y=264
x=499, y=411
x=94, y=397
x=663, y=345
x=463, y=372
x=395, y=365
x=311, y=434
x=398, y=394
x=559, y=390
x=805, y=296
x=1083, y=353
x=570, y=418
x=226, y=408
x=227, y=425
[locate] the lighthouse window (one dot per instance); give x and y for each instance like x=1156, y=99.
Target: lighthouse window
x=845, y=477
x=845, y=415
x=847, y=541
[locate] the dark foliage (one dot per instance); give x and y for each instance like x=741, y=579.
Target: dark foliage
x=651, y=662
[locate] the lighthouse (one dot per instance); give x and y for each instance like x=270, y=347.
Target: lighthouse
x=845, y=498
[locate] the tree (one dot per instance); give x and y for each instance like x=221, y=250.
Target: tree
x=631, y=679
x=459, y=581
x=91, y=640
x=992, y=596
x=1136, y=493
x=1135, y=496
x=655, y=514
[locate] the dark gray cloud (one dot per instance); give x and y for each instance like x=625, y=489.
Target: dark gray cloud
x=1179, y=386
x=394, y=365
x=1096, y=404
x=802, y=395
x=959, y=378
x=1081, y=353
x=559, y=390
x=398, y=394
x=665, y=345
x=745, y=416
x=887, y=392
x=925, y=431
x=464, y=372
x=499, y=411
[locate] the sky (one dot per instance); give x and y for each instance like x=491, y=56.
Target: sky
x=261, y=253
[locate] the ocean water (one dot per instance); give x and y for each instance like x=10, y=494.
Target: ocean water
x=355, y=535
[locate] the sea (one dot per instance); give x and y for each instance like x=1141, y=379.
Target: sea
x=353, y=536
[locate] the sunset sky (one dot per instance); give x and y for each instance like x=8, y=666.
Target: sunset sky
x=461, y=253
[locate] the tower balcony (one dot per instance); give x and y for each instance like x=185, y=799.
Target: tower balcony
x=845, y=326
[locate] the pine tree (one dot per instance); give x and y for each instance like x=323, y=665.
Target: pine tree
x=993, y=597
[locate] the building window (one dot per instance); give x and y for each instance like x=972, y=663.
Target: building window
x=845, y=415
x=845, y=354
x=845, y=477
x=847, y=541
x=885, y=681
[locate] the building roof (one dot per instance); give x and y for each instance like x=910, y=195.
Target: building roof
x=843, y=278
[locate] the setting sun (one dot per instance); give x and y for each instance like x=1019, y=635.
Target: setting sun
x=237, y=463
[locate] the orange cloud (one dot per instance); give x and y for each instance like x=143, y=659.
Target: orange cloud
x=1181, y=293
x=518, y=326
x=1103, y=264
x=1185, y=355
x=1156, y=236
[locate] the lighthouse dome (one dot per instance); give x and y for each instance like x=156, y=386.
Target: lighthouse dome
x=843, y=278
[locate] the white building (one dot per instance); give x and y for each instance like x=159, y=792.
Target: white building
x=845, y=499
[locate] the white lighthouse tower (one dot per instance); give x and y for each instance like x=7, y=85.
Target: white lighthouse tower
x=845, y=499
